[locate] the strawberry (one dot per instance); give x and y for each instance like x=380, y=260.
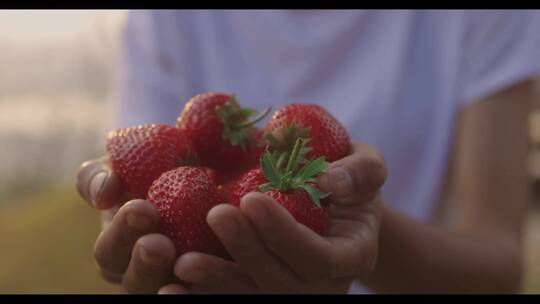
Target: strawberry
x=327, y=137
x=293, y=188
x=224, y=136
x=183, y=197
x=140, y=154
x=214, y=176
x=228, y=182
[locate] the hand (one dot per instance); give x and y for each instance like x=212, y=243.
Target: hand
x=275, y=254
x=128, y=251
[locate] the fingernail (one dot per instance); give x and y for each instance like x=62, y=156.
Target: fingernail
x=340, y=181
x=138, y=222
x=96, y=186
x=149, y=258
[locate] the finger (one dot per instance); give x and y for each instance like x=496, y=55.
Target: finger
x=113, y=278
x=107, y=216
x=241, y=241
x=211, y=274
x=357, y=178
x=173, y=289
x=151, y=264
x=311, y=256
x=98, y=184
x=113, y=247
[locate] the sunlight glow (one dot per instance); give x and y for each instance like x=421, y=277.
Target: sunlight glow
x=40, y=25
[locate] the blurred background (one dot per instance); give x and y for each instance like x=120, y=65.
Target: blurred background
x=55, y=86
x=55, y=83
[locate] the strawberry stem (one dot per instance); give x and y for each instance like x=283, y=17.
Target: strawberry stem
x=292, y=178
x=281, y=160
x=255, y=120
x=236, y=126
x=283, y=139
x=293, y=159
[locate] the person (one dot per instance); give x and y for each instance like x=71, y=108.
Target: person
x=433, y=196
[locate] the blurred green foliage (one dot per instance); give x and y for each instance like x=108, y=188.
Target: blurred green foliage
x=47, y=240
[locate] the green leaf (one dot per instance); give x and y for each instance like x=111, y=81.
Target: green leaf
x=286, y=181
x=236, y=137
x=222, y=113
x=297, y=182
x=313, y=168
x=295, y=156
x=303, y=152
x=304, y=132
x=245, y=123
x=246, y=112
x=287, y=139
x=236, y=125
x=269, y=169
x=272, y=140
x=281, y=160
x=315, y=194
x=306, y=149
x=266, y=187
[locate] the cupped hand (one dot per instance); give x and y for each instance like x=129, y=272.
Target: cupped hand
x=273, y=253
x=128, y=251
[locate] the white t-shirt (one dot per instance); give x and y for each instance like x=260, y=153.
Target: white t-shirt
x=395, y=79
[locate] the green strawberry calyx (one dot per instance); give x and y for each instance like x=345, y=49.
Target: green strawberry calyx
x=294, y=177
x=284, y=145
x=237, y=125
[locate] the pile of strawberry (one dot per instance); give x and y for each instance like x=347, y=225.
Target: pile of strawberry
x=215, y=154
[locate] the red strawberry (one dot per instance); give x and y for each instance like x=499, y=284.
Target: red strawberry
x=183, y=197
x=214, y=176
x=225, y=138
x=327, y=137
x=140, y=154
x=293, y=188
x=248, y=182
x=228, y=182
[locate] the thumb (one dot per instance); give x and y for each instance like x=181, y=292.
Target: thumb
x=357, y=178
x=98, y=184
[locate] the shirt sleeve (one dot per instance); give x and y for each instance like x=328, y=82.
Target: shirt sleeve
x=500, y=48
x=150, y=87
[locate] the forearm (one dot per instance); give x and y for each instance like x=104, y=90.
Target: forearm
x=417, y=257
